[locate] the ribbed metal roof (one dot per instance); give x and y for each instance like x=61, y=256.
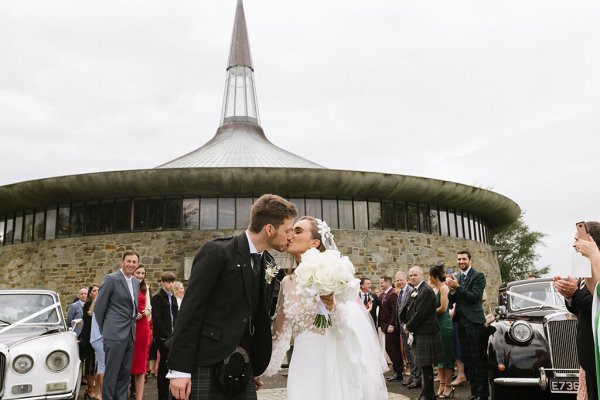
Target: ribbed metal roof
x=240, y=144
x=240, y=141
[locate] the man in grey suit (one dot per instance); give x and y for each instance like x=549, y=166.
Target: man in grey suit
x=404, y=291
x=115, y=312
x=76, y=310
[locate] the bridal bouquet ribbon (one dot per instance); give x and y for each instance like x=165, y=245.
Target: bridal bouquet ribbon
x=321, y=274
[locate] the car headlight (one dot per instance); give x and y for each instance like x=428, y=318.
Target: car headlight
x=22, y=364
x=521, y=331
x=57, y=361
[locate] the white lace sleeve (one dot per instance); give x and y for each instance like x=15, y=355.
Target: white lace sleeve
x=282, y=330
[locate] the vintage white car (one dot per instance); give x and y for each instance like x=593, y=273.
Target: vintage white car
x=39, y=358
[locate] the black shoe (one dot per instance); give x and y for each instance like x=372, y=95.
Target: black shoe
x=394, y=378
x=413, y=385
x=408, y=382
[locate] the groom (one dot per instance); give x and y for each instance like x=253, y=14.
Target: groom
x=209, y=327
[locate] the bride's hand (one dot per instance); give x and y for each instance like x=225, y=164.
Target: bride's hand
x=258, y=383
x=328, y=301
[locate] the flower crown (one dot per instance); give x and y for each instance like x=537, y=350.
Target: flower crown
x=326, y=235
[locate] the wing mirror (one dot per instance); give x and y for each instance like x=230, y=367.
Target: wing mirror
x=501, y=311
x=76, y=322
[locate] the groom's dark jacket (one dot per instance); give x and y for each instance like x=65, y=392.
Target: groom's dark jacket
x=224, y=296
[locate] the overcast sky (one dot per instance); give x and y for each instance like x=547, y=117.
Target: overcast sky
x=503, y=95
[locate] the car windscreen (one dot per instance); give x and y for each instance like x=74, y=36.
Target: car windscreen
x=534, y=295
x=15, y=307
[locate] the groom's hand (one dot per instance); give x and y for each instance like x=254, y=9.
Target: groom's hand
x=258, y=383
x=328, y=301
x=181, y=388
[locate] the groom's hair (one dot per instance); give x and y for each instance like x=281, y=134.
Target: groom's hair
x=270, y=209
x=593, y=229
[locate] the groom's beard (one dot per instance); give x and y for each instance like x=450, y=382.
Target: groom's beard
x=274, y=245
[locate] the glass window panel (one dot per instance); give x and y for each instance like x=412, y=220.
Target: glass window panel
x=375, y=220
x=330, y=213
x=156, y=213
x=122, y=216
x=434, y=221
x=299, y=203
x=191, y=213
x=173, y=213
x=412, y=217
x=39, y=224
x=9, y=230
x=424, y=219
x=208, y=213
x=459, y=225
x=2, y=224
x=62, y=221
x=443, y=222
x=313, y=208
x=472, y=228
x=50, y=223
x=243, y=205
x=387, y=215
x=140, y=215
x=466, y=226
x=345, y=212
x=452, y=223
x=226, y=218
x=106, y=217
x=18, y=235
x=28, y=227
x=91, y=219
x=361, y=220
x=401, y=216
x=478, y=230
x=76, y=217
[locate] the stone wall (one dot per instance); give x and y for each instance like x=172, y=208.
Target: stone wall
x=65, y=265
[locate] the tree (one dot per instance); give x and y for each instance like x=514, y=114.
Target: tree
x=516, y=251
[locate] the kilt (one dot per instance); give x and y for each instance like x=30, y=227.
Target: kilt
x=427, y=349
x=203, y=387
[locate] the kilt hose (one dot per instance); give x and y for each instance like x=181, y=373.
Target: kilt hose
x=473, y=341
x=203, y=387
x=427, y=349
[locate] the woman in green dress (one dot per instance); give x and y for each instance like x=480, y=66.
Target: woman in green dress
x=437, y=279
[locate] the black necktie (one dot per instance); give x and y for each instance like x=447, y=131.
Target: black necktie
x=256, y=257
x=400, y=296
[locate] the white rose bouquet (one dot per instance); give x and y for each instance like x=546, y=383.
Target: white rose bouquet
x=323, y=273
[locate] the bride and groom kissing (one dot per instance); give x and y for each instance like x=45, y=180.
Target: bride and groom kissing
x=222, y=343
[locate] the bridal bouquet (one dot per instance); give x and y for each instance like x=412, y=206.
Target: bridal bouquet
x=323, y=273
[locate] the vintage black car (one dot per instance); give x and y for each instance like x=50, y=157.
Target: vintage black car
x=531, y=348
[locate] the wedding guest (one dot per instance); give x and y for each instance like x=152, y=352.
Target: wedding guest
x=164, y=319
x=139, y=366
x=420, y=314
x=115, y=311
x=437, y=279
x=405, y=290
x=466, y=293
x=387, y=323
x=368, y=298
x=75, y=310
x=179, y=291
x=86, y=351
x=97, y=344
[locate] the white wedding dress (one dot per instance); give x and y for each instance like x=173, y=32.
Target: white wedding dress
x=344, y=361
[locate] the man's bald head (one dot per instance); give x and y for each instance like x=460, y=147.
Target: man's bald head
x=415, y=275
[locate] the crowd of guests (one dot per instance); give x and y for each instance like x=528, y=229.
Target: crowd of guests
x=435, y=323
x=122, y=330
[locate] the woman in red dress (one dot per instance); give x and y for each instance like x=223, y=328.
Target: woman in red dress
x=141, y=345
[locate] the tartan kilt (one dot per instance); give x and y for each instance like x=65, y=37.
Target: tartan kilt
x=203, y=387
x=427, y=349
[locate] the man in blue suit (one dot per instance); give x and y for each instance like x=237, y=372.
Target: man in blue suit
x=115, y=312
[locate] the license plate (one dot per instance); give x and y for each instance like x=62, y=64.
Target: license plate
x=564, y=385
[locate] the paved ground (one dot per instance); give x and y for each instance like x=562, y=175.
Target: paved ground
x=275, y=390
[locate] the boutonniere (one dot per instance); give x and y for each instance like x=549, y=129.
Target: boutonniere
x=271, y=270
x=414, y=294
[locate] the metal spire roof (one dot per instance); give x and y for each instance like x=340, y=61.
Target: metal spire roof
x=240, y=141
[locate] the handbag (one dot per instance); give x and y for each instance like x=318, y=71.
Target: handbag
x=232, y=375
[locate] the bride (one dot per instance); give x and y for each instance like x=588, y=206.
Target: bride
x=344, y=361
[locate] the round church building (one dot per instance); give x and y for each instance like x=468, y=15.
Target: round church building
x=67, y=232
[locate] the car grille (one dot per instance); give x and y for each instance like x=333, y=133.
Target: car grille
x=2, y=371
x=563, y=347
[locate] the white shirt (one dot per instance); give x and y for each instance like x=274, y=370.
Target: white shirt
x=130, y=285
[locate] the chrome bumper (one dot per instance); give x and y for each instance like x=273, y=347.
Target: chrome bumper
x=542, y=381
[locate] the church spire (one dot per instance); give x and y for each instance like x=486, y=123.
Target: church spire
x=239, y=102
